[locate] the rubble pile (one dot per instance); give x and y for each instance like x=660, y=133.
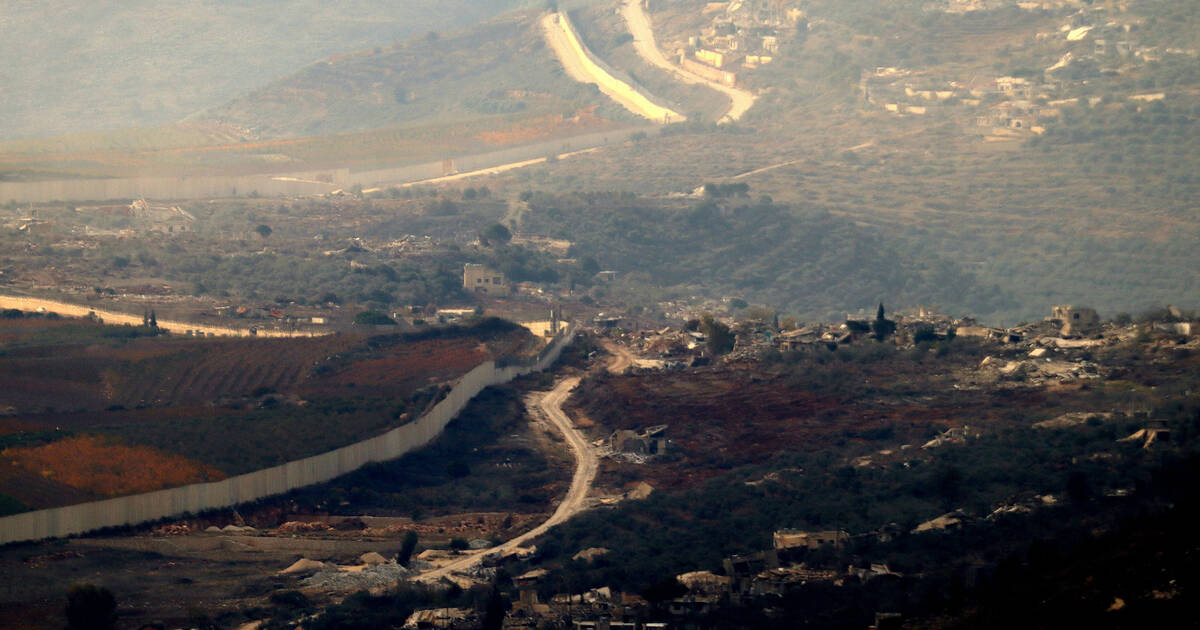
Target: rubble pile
x=301, y=527
x=171, y=529
x=380, y=575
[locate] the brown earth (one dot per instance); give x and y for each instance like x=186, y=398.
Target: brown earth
x=106, y=467
x=723, y=417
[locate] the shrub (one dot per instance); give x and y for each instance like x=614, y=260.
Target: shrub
x=91, y=607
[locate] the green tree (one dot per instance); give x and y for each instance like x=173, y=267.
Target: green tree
x=407, y=548
x=589, y=265
x=496, y=233
x=458, y=470
x=263, y=230
x=373, y=318
x=91, y=607
x=720, y=338
x=493, y=616
x=882, y=327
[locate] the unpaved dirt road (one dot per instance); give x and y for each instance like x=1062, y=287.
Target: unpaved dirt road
x=586, y=464
x=647, y=48
x=622, y=359
x=111, y=317
x=566, y=45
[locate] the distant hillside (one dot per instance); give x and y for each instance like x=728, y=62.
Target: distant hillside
x=798, y=259
x=72, y=66
x=1060, y=167
x=500, y=67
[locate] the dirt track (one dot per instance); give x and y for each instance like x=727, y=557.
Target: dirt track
x=647, y=49
x=587, y=464
x=623, y=359
x=111, y=317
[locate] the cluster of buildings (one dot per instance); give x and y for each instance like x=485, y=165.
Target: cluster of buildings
x=1096, y=34
x=1067, y=328
x=743, y=35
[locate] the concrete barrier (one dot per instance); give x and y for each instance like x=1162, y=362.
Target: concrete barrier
x=294, y=184
x=604, y=76
x=140, y=508
x=190, y=187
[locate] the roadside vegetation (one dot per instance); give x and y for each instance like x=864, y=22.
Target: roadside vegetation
x=486, y=460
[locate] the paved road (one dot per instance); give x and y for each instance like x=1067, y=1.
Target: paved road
x=647, y=48
x=569, y=49
x=586, y=464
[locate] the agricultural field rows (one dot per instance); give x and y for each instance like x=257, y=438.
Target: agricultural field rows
x=204, y=409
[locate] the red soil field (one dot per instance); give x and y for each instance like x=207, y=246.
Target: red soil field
x=102, y=466
x=409, y=367
x=721, y=418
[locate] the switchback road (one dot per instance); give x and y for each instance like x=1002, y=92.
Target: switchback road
x=569, y=49
x=647, y=49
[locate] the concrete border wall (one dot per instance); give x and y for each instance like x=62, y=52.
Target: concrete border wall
x=190, y=187
x=466, y=163
x=295, y=184
x=617, y=84
x=139, y=508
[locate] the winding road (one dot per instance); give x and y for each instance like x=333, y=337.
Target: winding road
x=647, y=49
x=571, y=53
x=586, y=465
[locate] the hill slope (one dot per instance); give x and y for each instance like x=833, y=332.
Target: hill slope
x=501, y=67
x=117, y=64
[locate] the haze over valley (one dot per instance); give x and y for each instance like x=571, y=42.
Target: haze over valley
x=609, y=313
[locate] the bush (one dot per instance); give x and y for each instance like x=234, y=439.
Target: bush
x=373, y=318
x=91, y=607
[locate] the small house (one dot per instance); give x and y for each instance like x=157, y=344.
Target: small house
x=483, y=279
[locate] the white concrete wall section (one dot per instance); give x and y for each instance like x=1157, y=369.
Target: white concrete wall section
x=198, y=187
x=130, y=510
x=583, y=66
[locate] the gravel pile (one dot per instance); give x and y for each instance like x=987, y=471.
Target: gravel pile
x=370, y=577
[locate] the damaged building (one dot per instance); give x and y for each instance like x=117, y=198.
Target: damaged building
x=1076, y=320
x=651, y=441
